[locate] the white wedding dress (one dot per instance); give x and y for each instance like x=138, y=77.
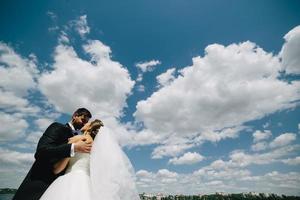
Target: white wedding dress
x=105, y=174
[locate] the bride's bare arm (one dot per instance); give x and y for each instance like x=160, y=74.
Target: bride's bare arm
x=62, y=164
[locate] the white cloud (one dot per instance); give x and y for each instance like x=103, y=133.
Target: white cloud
x=226, y=88
x=141, y=88
x=170, y=150
x=164, y=173
x=148, y=65
x=63, y=38
x=214, y=183
x=144, y=173
x=81, y=26
x=18, y=76
x=139, y=78
x=187, y=159
x=18, y=81
x=10, y=100
x=215, y=136
x=218, y=164
x=259, y=146
x=52, y=15
x=143, y=137
x=266, y=125
x=33, y=138
x=102, y=87
x=261, y=135
x=17, y=73
x=99, y=52
x=283, y=139
x=161, y=181
x=12, y=127
x=242, y=159
x=166, y=78
x=228, y=179
x=14, y=166
x=53, y=28
x=43, y=123
x=144, y=67
x=292, y=161
x=291, y=50
x=9, y=157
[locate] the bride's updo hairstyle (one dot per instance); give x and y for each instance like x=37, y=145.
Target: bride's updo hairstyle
x=94, y=127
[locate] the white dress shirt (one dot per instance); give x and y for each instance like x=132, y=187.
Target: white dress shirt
x=72, y=153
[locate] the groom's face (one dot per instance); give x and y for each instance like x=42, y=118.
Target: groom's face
x=79, y=121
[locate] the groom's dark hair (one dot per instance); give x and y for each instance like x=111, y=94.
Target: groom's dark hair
x=82, y=111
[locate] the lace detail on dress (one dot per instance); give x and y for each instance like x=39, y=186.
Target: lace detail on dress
x=80, y=162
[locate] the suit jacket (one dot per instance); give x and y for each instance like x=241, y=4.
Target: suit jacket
x=51, y=148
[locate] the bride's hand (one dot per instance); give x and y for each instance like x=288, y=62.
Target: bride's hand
x=88, y=140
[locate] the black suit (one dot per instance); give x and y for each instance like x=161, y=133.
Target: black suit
x=51, y=148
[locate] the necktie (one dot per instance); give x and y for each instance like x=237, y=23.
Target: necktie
x=76, y=132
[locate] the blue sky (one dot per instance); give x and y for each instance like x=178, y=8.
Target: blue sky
x=203, y=95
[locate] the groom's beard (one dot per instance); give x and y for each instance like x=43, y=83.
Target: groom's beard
x=77, y=126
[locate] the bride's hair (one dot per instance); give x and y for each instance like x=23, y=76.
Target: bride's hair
x=94, y=127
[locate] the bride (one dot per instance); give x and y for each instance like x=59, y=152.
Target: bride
x=105, y=174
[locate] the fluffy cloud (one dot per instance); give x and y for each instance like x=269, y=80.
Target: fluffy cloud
x=259, y=146
x=279, y=141
x=102, y=85
x=144, y=67
x=292, y=161
x=18, y=76
x=166, y=78
x=226, y=88
x=143, y=173
x=81, y=25
x=283, y=139
x=188, y=158
x=242, y=159
x=14, y=66
x=159, y=181
x=12, y=127
x=258, y=140
x=148, y=65
x=261, y=135
x=164, y=173
x=173, y=149
x=17, y=158
x=10, y=101
x=227, y=179
x=14, y=166
x=141, y=88
x=290, y=51
x=18, y=82
x=43, y=123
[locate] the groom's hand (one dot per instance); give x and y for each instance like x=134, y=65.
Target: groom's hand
x=82, y=146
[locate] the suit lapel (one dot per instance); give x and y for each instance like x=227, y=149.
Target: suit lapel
x=70, y=132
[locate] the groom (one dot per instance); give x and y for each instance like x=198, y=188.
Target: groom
x=52, y=147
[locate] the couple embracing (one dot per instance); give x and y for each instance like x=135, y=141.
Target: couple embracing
x=72, y=163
